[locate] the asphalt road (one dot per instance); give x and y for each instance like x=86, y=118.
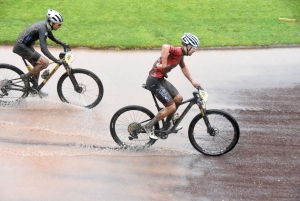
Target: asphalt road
x=53, y=151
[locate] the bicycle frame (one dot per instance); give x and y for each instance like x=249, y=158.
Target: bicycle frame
x=192, y=101
x=68, y=70
x=29, y=68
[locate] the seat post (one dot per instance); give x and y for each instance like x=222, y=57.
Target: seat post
x=29, y=68
x=156, y=103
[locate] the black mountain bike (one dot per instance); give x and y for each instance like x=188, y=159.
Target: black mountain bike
x=211, y=132
x=78, y=86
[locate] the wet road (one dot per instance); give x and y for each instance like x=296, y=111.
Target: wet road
x=53, y=151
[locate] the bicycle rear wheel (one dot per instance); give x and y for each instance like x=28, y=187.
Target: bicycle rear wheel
x=225, y=134
x=126, y=130
x=88, y=94
x=11, y=85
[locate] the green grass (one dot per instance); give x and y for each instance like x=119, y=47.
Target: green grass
x=128, y=24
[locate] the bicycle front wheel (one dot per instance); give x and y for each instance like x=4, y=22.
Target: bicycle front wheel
x=89, y=92
x=126, y=127
x=221, y=140
x=11, y=85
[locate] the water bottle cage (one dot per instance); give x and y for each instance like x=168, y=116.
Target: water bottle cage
x=45, y=73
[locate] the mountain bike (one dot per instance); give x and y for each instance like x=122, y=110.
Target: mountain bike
x=76, y=86
x=211, y=132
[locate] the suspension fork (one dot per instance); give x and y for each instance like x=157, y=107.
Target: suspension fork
x=207, y=123
x=72, y=78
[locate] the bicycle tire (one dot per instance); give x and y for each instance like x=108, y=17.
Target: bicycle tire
x=10, y=96
x=226, y=136
x=91, y=84
x=129, y=119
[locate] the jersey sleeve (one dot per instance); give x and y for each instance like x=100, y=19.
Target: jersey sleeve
x=43, y=44
x=172, y=49
x=53, y=38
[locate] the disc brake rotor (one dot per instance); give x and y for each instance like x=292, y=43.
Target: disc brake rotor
x=83, y=88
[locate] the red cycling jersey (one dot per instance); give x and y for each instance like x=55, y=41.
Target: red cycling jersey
x=175, y=57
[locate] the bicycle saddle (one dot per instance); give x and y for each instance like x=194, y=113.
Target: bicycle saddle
x=144, y=86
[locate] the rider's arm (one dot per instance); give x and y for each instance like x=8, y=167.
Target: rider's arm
x=164, y=57
x=44, y=48
x=188, y=75
x=54, y=39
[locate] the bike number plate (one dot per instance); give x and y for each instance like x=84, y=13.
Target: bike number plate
x=203, y=95
x=69, y=57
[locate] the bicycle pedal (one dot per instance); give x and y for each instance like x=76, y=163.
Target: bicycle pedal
x=40, y=95
x=33, y=92
x=163, y=135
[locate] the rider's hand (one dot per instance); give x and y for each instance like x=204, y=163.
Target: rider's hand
x=160, y=67
x=66, y=47
x=196, y=85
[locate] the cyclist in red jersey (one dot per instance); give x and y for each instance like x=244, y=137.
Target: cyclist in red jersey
x=164, y=91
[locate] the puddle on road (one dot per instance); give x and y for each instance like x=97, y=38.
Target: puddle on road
x=54, y=151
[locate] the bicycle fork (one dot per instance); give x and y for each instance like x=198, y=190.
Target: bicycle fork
x=210, y=130
x=76, y=86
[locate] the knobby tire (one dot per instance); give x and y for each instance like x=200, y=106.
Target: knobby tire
x=226, y=135
x=92, y=88
x=9, y=72
x=129, y=119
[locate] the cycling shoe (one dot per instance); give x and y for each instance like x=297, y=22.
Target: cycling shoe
x=42, y=94
x=25, y=80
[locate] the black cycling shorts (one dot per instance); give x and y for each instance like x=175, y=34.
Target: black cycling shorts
x=163, y=90
x=26, y=52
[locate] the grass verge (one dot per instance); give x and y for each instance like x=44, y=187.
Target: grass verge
x=130, y=24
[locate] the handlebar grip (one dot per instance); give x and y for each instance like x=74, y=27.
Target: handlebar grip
x=200, y=88
x=67, y=49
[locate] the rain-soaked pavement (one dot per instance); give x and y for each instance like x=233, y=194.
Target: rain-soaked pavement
x=53, y=151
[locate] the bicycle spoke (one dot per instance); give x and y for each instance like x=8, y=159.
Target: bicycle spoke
x=126, y=127
x=9, y=81
x=221, y=140
x=89, y=93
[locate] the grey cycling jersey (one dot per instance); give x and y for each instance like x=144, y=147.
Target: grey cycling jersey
x=38, y=31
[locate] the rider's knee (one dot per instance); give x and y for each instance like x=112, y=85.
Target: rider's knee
x=172, y=108
x=44, y=62
x=178, y=99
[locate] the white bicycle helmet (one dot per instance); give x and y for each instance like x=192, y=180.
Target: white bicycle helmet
x=54, y=16
x=191, y=39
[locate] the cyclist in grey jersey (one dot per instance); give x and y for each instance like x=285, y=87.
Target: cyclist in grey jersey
x=38, y=31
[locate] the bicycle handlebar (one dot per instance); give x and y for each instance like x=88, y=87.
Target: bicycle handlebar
x=67, y=49
x=199, y=88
